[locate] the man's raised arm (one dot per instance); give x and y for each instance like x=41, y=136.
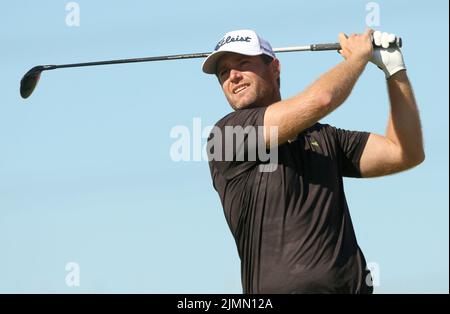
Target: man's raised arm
x=293, y=115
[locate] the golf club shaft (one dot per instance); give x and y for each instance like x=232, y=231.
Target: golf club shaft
x=160, y=58
x=146, y=59
x=314, y=47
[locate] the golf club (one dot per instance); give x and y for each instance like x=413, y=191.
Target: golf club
x=31, y=78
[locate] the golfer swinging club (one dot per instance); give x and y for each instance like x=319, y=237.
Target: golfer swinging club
x=292, y=226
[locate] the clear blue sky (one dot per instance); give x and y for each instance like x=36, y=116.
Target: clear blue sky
x=85, y=169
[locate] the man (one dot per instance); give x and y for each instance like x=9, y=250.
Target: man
x=291, y=225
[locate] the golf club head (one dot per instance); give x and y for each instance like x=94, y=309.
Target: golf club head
x=30, y=80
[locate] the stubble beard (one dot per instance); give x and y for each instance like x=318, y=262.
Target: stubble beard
x=257, y=95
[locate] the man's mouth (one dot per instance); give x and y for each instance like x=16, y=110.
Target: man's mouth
x=240, y=88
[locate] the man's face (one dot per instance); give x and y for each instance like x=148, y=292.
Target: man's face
x=247, y=81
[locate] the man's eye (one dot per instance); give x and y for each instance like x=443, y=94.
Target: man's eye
x=223, y=74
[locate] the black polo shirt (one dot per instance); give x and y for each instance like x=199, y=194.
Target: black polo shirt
x=291, y=224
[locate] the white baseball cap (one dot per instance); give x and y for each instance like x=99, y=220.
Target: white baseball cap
x=245, y=42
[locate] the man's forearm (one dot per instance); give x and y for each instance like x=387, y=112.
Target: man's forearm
x=297, y=113
x=338, y=82
x=404, y=128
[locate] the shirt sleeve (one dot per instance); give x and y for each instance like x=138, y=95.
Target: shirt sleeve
x=350, y=148
x=235, y=142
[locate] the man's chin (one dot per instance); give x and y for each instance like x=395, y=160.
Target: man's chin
x=243, y=104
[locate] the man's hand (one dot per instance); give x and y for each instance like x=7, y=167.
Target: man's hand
x=357, y=46
x=390, y=60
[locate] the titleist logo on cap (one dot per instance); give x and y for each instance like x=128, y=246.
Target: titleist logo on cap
x=230, y=39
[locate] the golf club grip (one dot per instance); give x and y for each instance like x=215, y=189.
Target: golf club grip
x=320, y=47
x=336, y=46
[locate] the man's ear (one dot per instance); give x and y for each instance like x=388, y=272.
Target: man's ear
x=276, y=67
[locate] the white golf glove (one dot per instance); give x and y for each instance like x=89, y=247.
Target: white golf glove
x=388, y=59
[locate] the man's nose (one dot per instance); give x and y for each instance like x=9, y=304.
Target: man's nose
x=235, y=75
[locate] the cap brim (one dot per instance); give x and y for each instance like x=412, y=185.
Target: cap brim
x=210, y=64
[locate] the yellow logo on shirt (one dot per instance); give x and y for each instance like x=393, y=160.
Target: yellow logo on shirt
x=314, y=142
